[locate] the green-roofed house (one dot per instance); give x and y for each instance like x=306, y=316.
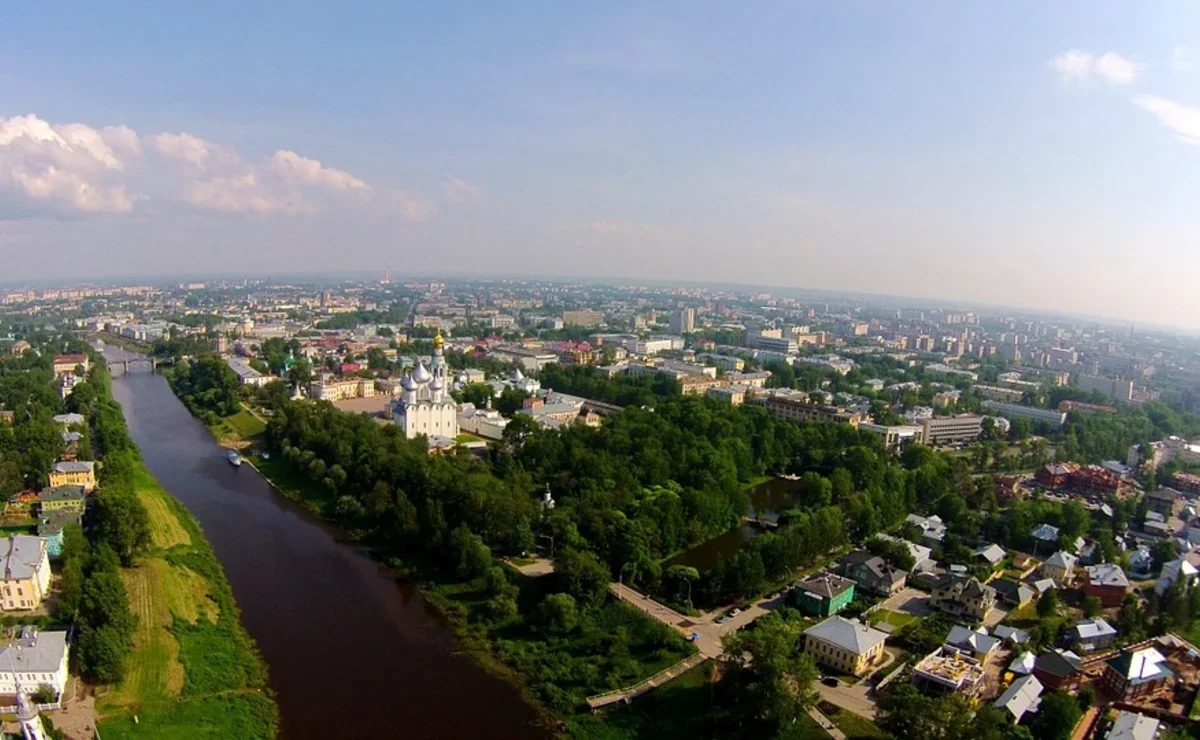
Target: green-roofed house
x=69, y=499
x=823, y=596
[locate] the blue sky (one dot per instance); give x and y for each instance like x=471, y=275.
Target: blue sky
x=1024, y=154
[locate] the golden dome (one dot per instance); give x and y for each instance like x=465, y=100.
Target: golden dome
x=437, y=340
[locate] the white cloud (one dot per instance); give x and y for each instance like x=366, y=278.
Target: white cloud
x=70, y=167
x=1185, y=59
x=242, y=193
x=294, y=168
x=76, y=168
x=413, y=205
x=1083, y=66
x=1182, y=120
x=457, y=190
x=186, y=149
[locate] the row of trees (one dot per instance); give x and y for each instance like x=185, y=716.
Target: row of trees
x=118, y=531
x=93, y=594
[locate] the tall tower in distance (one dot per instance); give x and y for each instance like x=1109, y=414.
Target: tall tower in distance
x=683, y=321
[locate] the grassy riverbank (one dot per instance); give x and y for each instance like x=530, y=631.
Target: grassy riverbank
x=125, y=343
x=194, y=671
x=612, y=647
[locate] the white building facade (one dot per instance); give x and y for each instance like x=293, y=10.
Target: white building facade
x=425, y=406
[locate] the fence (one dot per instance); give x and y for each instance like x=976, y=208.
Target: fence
x=658, y=679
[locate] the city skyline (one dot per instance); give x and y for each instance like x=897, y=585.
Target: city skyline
x=1038, y=159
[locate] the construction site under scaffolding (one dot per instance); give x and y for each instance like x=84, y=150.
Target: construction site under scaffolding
x=947, y=670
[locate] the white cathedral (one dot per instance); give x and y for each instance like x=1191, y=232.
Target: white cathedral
x=425, y=406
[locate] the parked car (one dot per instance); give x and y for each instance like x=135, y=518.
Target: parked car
x=830, y=681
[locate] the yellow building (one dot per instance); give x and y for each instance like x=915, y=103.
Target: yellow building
x=846, y=645
x=76, y=473
x=62, y=498
x=24, y=572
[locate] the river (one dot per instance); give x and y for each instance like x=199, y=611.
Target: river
x=352, y=652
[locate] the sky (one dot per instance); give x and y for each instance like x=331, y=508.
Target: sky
x=1043, y=155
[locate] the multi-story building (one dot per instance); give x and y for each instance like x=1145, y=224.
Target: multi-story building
x=963, y=596
x=822, y=596
x=1107, y=582
x=683, y=321
x=873, y=573
x=782, y=345
x=846, y=645
x=948, y=671
x=62, y=498
x=24, y=572
x=582, y=318
x=425, y=406
x=33, y=659
x=328, y=388
x=895, y=435
x=246, y=374
x=944, y=430
x=74, y=473
x=64, y=364
x=1031, y=413
x=997, y=393
x=797, y=407
x=1117, y=389
x=1135, y=673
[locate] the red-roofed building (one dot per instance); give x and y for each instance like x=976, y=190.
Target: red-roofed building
x=66, y=364
x=1055, y=475
x=1095, y=481
x=1187, y=482
x=350, y=367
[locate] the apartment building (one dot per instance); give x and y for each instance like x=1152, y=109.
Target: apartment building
x=944, y=430
x=582, y=318
x=1031, y=413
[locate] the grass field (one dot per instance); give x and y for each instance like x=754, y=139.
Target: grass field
x=193, y=671
x=855, y=726
x=897, y=619
x=241, y=426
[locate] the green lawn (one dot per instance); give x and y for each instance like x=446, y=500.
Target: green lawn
x=465, y=437
x=294, y=484
x=241, y=426
x=897, y=619
x=855, y=726
x=193, y=670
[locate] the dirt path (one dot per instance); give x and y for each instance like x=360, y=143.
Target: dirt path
x=77, y=718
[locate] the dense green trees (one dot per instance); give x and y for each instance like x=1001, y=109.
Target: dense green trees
x=904, y=712
x=207, y=386
x=622, y=390
x=767, y=663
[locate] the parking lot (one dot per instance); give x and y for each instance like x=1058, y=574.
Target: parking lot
x=910, y=601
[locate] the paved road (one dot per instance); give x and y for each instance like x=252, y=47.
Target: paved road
x=710, y=633
x=826, y=724
x=910, y=601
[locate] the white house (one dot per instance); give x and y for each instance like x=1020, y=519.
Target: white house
x=33, y=659
x=1060, y=568
x=1173, y=570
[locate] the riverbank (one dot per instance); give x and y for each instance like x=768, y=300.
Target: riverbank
x=193, y=671
x=610, y=645
x=125, y=343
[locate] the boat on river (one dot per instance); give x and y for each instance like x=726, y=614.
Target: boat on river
x=234, y=458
